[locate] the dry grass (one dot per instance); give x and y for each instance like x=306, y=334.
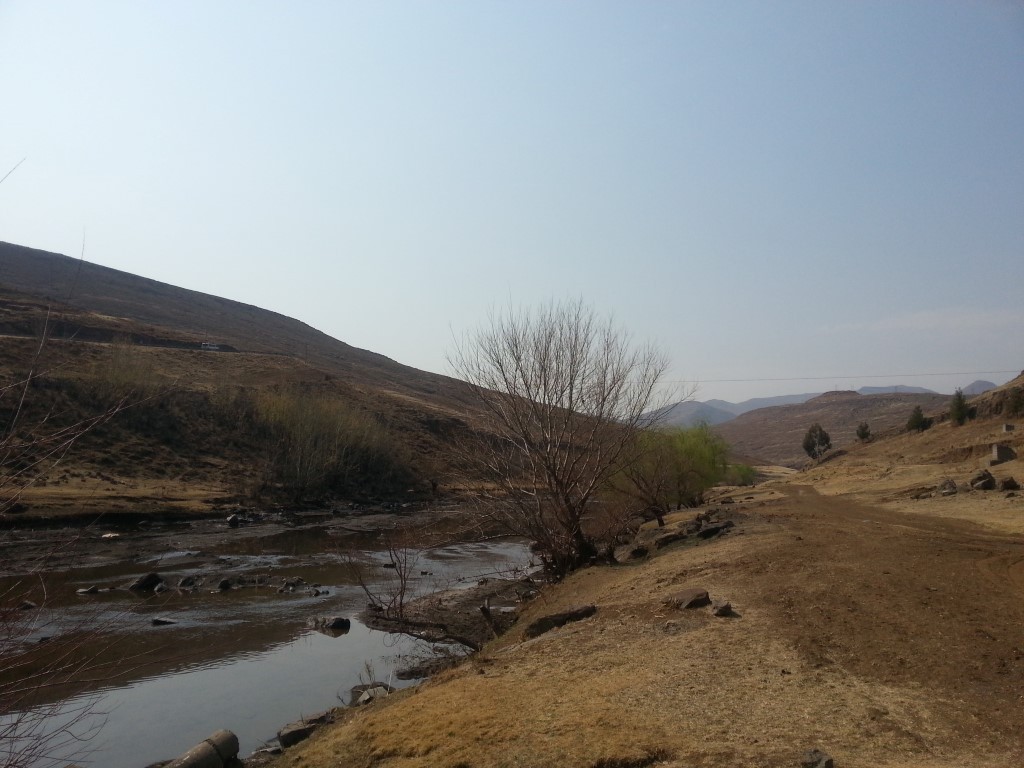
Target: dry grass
x=811, y=660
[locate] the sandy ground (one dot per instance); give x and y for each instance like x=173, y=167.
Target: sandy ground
x=881, y=637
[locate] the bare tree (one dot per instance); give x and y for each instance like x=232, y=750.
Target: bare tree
x=562, y=394
x=388, y=594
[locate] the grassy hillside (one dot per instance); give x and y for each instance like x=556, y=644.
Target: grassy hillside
x=777, y=433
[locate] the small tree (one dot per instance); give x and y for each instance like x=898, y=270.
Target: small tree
x=918, y=422
x=863, y=432
x=959, y=411
x=816, y=441
x=562, y=395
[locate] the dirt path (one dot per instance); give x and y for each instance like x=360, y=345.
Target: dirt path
x=934, y=604
x=887, y=639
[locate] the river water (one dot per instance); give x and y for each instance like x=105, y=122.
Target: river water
x=243, y=659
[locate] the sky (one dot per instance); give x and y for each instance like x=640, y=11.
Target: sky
x=784, y=197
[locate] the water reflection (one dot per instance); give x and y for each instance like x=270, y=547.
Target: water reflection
x=250, y=659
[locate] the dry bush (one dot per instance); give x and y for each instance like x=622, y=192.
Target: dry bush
x=317, y=446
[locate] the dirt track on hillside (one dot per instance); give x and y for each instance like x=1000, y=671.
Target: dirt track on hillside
x=884, y=638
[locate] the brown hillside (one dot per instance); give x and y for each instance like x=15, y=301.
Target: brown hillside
x=777, y=433
x=170, y=314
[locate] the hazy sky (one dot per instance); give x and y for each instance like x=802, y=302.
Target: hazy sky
x=766, y=189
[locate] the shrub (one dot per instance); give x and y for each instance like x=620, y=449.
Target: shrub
x=863, y=432
x=319, y=446
x=918, y=422
x=740, y=474
x=959, y=411
x=816, y=441
x=1015, y=402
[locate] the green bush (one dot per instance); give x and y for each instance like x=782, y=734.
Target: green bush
x=863, y=432
x=816, y=441
x=918, y=422
x=740, y=474
x=959, y=411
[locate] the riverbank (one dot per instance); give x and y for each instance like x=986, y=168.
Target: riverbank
x=881, y=638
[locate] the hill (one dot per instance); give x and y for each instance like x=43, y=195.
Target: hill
x=978, y=387
x=159, y=314
x=210, y=384
x=689, y=413
x=776, y=433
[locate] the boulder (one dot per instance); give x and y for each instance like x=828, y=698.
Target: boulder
x=234, y=521
x=160, y=621
x=333, y=626
x=815, y=758
x=93, y=590
x=689, y=598
x=146, y=583
x=224, y=585
x=189, y=582
x=293, y=733
x=983, y=481
x=217, y=751
x=555, y=620
x=372, y=694
x=1009, y=484
x=713, y=529
x=356, y=697
x=721, y=607
x=947, y=487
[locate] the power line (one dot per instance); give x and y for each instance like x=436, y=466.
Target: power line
x=833, y=378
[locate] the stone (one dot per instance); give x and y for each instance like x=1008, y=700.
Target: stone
x=293, y=733
x=713, y=529
x=27, y=605
x=983, y=481
x=93, y=590
x=721, y=607
x=689, y=598
x=371, y=694
x=160, y=621
x=555, y=620
x=224, y=585
x=947, y=487
x=1009, y=484
x=357, y=691
x=146, y=583
x=234, y=521
x=815, y=758
x=216, y=751
x=332, y=626
x=189, y=582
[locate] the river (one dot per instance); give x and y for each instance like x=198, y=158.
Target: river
x=244, y=658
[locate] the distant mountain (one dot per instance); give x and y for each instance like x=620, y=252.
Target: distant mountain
x=978, y=387
x=690, y=412
x=760, y=402
x=896, y=389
